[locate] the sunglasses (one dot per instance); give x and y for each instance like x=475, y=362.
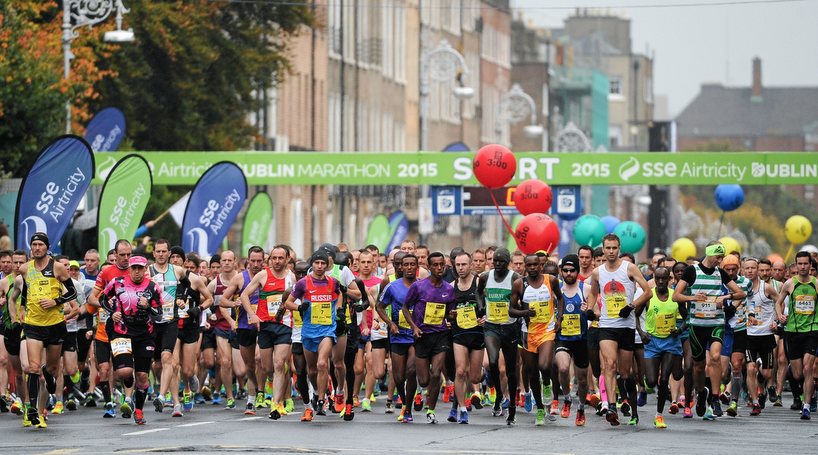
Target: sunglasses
x=569, y=270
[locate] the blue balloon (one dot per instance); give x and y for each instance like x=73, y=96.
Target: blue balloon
x=729, y=197
x=610, y=223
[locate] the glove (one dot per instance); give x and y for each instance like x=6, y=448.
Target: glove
x=589, y=313
x=194, y=312
x=625, y=312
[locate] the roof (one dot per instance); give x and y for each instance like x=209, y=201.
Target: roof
x=720, y=111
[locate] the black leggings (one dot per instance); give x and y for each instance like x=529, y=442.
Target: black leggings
x=493, y=346
x=657, y=373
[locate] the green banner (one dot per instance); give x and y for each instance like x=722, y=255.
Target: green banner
x=438, y=168
x=257, y=221
x=379, y=232
x=123, y=200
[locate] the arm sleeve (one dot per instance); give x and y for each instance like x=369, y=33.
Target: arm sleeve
x=70, y=292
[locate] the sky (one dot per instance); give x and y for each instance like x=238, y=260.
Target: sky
x=707, y=42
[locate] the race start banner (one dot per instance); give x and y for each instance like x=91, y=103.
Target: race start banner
x=213, y=206
x=123, y=200
x=439, y=168
x=52, y=190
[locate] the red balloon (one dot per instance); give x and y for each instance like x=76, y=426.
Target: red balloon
x=533, y=196
x=536, y=232
x=494, y=166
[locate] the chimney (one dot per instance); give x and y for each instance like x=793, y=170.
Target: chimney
x=756, y=94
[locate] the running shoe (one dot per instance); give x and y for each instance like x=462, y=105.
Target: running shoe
x=625, y=408
x=717, y=408
x=688, y=413
x=430, y=417
x=198, y=398
x=641, y=399
x=289, y=406
x=505, y=404
x=528, y=401
x=674, y=408
x=452, y=415
x=274, y=414
x=366, y=405
x=138, y=418
x=566, y=410
x=724, y=397
x=778, y=403
x=217, y=398
x=555, y=407
x=26, y=421
x=71, y=404
x=407, y=416
x=602, y=409
x=206, y=393
x=813, y=406
x=126, y=409
x=259, y=402
x=463, y=418
x=612, y=417
x=307, y=415
x=476, y=400
x=59, y=408
x=593, y=400
x=805, y=414
x=546, y=391
x=339, y=402
x=32, y=417
x=158, y=405
x=418, y=405
x=231, y=404
x=109, y=411
x=762, y=400
x=732, y=410
x=17, y=407
x=187, y=402
x=492, y=395
x=772, y=394
x=321, y=411
x=401, y=413
x=633, y=421
x=349, y=413
x=756, y=410
x=390, y=408
x=659, y=422
x=177, y=411
x=701, y=402
x=447, y=394
x=249, y=410
x=496, y=411
x=580, y=420
x=708, y=414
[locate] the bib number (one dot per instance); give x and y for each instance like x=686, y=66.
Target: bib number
x=182, y=309
x=103, y=316
x=40, y=290
x=706, y=309
x=665, y=323
x=434, y=313
x=467, y=317
x=167, y=312
x=321, y=313
x=297, y=320
x=402, y=322
x=498, y=312
x=804, y=304
x=614, y=303
x=120, y=346
x=571, y=325
x=273, y=304
x=543, y=312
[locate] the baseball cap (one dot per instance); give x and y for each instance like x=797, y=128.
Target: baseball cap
x=72, y=264
x=572, y=260
x=137, y=261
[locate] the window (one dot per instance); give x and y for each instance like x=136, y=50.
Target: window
x=614, y=137
x=615, y=87
x=648, y=90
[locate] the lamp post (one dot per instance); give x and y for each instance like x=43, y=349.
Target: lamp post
x=87, y=13
x=515, y=106
x=440, y=64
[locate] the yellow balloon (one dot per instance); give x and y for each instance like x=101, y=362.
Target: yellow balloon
x=797, y=229
x=730, y=245
x=682, y=249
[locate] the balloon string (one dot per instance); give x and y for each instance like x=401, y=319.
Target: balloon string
x=497, y=206
x=789, y=252
x=721, y=222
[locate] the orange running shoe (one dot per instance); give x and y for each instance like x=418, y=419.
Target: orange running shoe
x=307, y=415
x=580, y=418
x=339, y=402
x=566, y=410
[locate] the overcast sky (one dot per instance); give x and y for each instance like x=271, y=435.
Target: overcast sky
x=713, y=43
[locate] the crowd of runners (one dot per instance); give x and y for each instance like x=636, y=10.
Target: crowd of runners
x=527, y=338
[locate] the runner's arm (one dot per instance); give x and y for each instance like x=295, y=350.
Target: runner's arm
x=593, y=296
x=637, y=276
x=515, y=306
x=779, y=301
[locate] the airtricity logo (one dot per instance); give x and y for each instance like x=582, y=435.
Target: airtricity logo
x=628, y=169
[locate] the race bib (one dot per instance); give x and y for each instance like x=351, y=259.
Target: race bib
x=103, y=316
x=273, y=304
x=665, y=323
x=498, y=312
x=182, y=308
x=167, y=312
x=542, y=312
x=467, y=317
x=804, y=304
x=706, y=309
x=39, y=290
x=322, y=313
x=297, y=320
x=120, y=346
x=435, y=312
x=402, y=322
x=614, y=304
x=571, y=325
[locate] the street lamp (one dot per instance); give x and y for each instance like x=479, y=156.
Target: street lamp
x=87, y=13
x=515, y=106
x=441, y=64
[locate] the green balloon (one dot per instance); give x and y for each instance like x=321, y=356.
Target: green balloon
x=379, y=232
x=589, y=230
x=631, y=236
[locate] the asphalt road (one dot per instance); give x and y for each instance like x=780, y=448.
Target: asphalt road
x=210, y=429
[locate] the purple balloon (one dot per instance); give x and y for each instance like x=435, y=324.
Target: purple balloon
x=610, y=223
x=729, y=197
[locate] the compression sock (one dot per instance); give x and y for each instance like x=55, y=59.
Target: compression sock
x=141, y=394
x=33, y=381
